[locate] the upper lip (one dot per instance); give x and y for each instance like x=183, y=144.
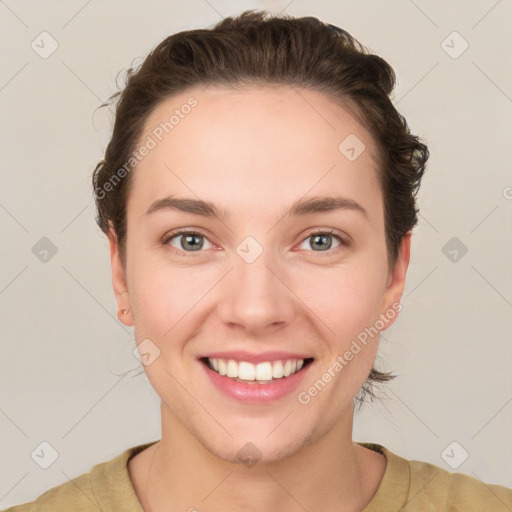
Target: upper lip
x=240, y=355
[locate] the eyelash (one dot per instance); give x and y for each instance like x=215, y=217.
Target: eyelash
x=344, y=242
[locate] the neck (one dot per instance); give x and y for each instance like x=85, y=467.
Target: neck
x=332, y=473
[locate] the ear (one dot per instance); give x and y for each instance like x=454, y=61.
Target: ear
x=124, y=312
x=396, y=282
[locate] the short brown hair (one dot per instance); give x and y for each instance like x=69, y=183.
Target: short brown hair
x=256, y=47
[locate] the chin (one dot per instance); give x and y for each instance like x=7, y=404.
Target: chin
x=256, y=446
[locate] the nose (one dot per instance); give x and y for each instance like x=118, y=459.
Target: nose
x=256, y=297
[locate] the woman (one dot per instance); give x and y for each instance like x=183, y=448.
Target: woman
x=258, y=195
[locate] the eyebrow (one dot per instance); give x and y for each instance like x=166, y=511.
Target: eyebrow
x=300, y=208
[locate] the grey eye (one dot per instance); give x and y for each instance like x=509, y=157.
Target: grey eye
x=322, y=241
x=187, y=241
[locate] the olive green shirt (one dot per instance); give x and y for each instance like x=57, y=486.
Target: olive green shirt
x=407, y=486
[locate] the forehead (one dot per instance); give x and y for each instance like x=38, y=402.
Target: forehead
x=248, y=145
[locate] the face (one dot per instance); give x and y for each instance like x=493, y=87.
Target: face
x=251, y=279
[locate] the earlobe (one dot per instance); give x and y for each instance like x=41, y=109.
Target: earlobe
x=119, y=285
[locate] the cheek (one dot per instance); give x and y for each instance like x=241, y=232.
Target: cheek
x=346, y=299
x=166, y=299
x=345, y=305
x=162, y=300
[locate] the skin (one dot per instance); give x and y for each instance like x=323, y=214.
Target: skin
x=253, y=152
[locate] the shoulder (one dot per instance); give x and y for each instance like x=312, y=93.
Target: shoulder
x=455, y=491
x=416, y=486
x=106, y=487
x=75, y=495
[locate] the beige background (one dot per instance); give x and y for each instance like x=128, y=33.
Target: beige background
x=68, y=374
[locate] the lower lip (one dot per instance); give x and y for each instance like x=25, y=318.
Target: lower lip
x=256, y=393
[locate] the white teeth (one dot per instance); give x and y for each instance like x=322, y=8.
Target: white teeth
x=277, y=370
x=232, y=369
x=246, y=371
x=288, y=368
x=266, y=371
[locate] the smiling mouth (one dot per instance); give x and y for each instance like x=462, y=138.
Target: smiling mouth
x=261, y=373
